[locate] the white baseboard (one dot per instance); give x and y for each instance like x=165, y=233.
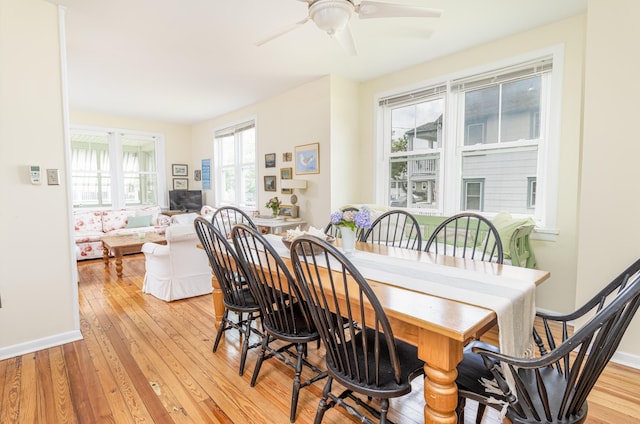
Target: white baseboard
x=39, y=344
x=626, y=359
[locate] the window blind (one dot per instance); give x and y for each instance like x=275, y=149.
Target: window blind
x=520, y=71
x=412, y=95
x=229, y=131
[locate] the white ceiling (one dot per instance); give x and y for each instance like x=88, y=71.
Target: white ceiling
x=189, y=60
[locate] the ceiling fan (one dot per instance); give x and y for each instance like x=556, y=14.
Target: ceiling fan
x=332, y=16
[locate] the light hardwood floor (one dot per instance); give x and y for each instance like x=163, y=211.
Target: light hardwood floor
x=145, y=360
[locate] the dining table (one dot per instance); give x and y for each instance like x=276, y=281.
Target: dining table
x=437, y=323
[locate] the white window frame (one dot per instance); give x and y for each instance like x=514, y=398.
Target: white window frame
x=238, y=165
x=451, y=152
x=113, y=136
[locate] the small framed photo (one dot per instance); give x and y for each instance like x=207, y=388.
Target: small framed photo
x=179, y=170
x=197, y=175
x=287, y=157
x=307, y=159
x=285, y=210
x=286, y=174
x=270, y=183
x=270, y=160
x=181, y=184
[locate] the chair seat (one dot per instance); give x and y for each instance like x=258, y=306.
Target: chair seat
x=299, y=331
x=386, y=386
x=241, y=301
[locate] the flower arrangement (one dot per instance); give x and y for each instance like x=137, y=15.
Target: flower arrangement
x=352, y=219
x=274, y=204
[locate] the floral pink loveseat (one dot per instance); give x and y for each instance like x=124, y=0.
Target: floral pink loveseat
x=91, y=225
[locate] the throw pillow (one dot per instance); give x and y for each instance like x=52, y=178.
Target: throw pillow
x=138, y=221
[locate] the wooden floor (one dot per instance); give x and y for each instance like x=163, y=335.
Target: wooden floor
x=145, y=360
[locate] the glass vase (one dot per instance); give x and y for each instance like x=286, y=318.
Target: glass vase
x=348, y=236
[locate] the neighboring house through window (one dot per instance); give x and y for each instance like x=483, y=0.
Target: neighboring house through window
x=474, y=142
x=235, y=165
x=113, y=168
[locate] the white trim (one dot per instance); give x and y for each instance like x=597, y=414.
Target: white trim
x=40, y=344
x=626, y=359
x=64, y=88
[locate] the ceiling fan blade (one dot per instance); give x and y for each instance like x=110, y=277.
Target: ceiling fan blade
x=283, y=32
x=375, y=9
x=345, y=38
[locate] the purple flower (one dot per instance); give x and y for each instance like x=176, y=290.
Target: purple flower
x=362, y=218
x=336, y=217
x=352, y=219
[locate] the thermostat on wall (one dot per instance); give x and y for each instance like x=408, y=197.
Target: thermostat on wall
x=53, y=177
x=34, y=174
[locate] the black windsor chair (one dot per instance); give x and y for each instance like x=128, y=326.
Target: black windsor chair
x=553, y=387
x=467, y=235
x=237, y=297
x=225, y=217
x=394, y=228
x=362, y=355
x=285, y=315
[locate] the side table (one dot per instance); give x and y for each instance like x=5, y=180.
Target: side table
x=277, y=226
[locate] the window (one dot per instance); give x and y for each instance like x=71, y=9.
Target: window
x=235, y=165
x=531, y=192
x=473, y=194
x=473, y=143
x=114, y=169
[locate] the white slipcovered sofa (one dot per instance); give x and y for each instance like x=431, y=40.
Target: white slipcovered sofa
x=178, y=269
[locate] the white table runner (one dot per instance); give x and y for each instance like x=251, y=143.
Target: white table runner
x=512, y=300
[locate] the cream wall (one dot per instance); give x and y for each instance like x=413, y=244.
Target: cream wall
x=299, y=116
x=559, y=256
x=39, y=303
x=177, y=139
x=609, y=228
x=346, y=186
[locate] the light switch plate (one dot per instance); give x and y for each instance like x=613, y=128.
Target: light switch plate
x=53, y=176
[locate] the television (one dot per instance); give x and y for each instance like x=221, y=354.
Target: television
x=185, y=200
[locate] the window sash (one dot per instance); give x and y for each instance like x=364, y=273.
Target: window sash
x=236, y=165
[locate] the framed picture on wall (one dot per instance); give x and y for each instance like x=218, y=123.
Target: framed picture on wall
x=270, y=183
x=286, y=174
x=307, y=159
x=285, y=210
x=179, y=170
x=270, y=160
x=181, y=184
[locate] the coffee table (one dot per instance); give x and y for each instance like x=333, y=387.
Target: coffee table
x=127, y=243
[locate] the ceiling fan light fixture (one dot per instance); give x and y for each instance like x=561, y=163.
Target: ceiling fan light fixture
x=331, y=16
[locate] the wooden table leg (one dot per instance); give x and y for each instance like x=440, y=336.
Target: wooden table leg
x=118, y=255
x=105, y=255
x=218, y=303
x=441, y=356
